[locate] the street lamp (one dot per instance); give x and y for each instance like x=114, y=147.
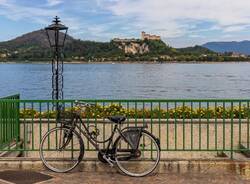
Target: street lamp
x=56, y=33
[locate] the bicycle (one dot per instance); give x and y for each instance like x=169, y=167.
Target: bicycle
x=62, y=148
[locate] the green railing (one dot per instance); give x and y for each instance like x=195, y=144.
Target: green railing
x=9, y=121
x=209, y=125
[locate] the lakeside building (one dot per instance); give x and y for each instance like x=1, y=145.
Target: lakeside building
x=3, y=55
x=235, y=54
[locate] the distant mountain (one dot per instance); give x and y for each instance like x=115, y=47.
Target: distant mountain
x=35, y=46
x=196, y=50
x=242, y=47
x=32, y=39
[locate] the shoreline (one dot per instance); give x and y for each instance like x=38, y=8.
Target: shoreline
x=127, y=62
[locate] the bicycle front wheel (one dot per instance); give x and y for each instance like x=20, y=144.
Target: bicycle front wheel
x=141, y=161
x=61, y=149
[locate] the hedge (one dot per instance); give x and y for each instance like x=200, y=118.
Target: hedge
x=115, y=109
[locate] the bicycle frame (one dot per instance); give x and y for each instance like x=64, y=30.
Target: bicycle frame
x=87, y=134
x=114, y=153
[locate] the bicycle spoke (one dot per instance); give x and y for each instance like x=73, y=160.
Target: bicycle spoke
x=62, y=156
x=137, y=162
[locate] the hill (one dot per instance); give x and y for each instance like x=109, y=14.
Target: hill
x=34, y=46
x=196, y=50
x=242, y=47
x=32, y=39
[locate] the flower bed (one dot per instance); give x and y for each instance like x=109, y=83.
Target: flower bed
x=179, y=112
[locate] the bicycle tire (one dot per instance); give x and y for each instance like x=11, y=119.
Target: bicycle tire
x=126, y=160
x=78, y=157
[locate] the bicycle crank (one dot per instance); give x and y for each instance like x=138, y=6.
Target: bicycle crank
x=109, y=160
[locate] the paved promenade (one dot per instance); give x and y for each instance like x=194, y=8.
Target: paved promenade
x=116, y=178
x=224, y=173
x=169, y=178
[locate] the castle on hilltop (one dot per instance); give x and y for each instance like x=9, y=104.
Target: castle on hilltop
x=145, y=36
x=135, y=46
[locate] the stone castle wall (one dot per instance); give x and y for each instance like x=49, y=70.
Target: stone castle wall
x=145, y=36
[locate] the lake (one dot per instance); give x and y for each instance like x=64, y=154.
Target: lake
x=129, y=81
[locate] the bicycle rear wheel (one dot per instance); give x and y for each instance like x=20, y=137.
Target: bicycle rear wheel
x=139, y=162
x=61, y=149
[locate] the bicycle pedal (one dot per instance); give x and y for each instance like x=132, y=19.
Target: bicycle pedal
x=108, y=160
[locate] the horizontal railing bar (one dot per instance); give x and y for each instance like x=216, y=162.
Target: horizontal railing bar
x=146, y=120
x=11, y=96
x=203, y=150
x=129, y=100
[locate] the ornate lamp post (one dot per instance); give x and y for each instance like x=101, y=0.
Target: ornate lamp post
x=56, y=33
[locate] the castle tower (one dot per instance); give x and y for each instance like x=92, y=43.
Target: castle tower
x=143, y=35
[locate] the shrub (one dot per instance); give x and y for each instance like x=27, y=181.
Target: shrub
x=115, y=109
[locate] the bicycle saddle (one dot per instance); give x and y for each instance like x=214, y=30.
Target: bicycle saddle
x=117, y=119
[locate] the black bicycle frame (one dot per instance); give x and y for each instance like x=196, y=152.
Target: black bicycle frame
x=87, y=134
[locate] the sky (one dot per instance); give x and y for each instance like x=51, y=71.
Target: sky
x=180, y=23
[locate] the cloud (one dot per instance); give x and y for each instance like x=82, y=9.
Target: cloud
x=235, y=28
x=175, y=17
x=54, y=2
x=14, y=11
x=39, y=14
x=3, y=2
x=173, y=20
x=224, y=12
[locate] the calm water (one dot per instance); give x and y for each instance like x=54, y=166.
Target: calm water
x=33, y=81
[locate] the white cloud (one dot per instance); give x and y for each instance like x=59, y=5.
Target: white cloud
x=175, y=17
x=54, y=2
x=18, y=12
x=38, y=14
x=235, y=28
x=3, y=2
x=173, y=20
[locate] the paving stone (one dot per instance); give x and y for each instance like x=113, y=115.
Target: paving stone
x=22, y=177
